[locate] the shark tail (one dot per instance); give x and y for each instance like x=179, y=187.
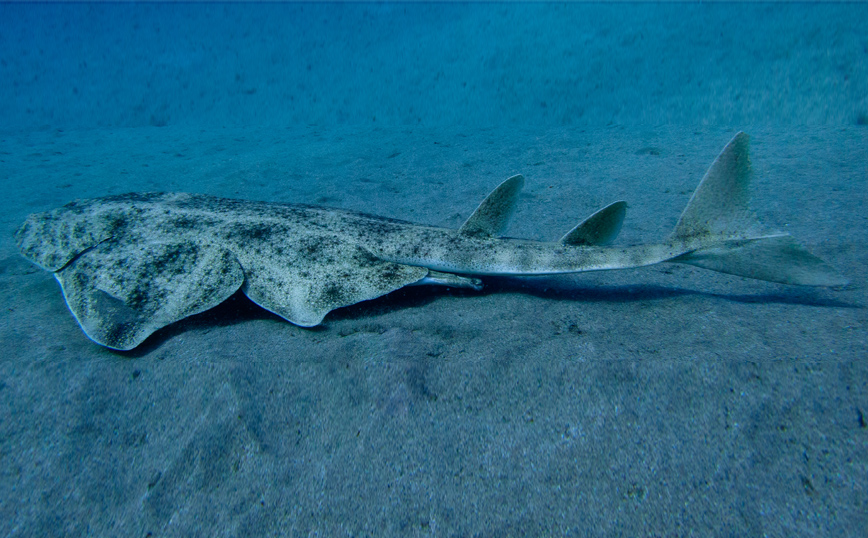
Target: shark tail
x=731, y=238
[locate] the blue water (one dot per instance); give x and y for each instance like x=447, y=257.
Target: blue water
x=129, y=64
x=658, y=402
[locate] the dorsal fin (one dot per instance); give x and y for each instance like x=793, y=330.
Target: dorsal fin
x=601, y=228
x=492, y=215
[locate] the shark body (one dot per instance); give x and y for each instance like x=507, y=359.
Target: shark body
x=131, y=264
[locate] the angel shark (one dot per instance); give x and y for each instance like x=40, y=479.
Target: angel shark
x=131, y=264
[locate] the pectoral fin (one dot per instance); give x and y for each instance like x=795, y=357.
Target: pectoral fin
x=317, y=274
x=120, y=293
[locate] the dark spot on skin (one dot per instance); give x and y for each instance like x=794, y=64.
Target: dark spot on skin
x=380, y=227
x=79, y=230
x=184, y=223
x=172, y=260
x=80, y=280
x=390, y=273
x=116, y=223
x=363, y=257
x=118, y=330
x=310, y=247
x=333, y=294
x=251, y=232
x=137, y=298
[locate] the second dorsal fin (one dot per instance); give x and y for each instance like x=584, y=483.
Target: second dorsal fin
x=601, y=228
x=492, y=215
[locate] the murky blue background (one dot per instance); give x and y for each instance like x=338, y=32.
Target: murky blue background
x=128, y=64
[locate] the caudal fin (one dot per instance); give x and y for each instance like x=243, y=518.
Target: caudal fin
x=772, y=258
x=731, y=238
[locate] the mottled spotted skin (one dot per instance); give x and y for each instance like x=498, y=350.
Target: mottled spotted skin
x=131, y=264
